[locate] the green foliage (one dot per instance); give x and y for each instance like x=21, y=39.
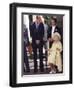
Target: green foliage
x=47, y=19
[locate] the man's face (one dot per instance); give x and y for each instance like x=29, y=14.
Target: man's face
x=53, y=23
x=38, y=20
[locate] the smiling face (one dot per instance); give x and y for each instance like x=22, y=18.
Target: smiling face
x=56, y=38
x=53, y=21
x=38, y=19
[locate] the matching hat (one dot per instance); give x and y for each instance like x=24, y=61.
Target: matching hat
x=56, y=34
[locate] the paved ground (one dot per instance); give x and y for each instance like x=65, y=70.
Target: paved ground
x=31, y=64
x=32, y=72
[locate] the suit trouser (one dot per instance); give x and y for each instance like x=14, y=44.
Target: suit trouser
x=26, y=59
x=40, y=48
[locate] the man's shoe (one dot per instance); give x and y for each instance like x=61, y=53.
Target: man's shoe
x=27, y=71
x=35, y=70
x=42, y=70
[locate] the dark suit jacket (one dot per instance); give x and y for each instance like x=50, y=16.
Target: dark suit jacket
x=57, y=29
x=26, y=38
x=37, y=33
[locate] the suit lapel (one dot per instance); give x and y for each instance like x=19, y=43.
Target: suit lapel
x=56, y=30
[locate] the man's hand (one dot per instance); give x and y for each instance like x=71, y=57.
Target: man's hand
x=50, y=39
x=37, y=41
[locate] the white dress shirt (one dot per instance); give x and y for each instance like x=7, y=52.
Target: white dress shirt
x=53, y=29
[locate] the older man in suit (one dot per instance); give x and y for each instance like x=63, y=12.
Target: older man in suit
x=37, y=33
x=52, y=29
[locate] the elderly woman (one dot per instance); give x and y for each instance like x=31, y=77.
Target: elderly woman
x=54, y=54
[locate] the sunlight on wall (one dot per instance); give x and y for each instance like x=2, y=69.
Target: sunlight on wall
x=26, y=22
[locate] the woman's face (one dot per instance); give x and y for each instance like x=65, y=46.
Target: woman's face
x=56, y=38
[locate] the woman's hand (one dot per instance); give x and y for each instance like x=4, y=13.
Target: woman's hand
x=46, y=49
x=58, y=49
